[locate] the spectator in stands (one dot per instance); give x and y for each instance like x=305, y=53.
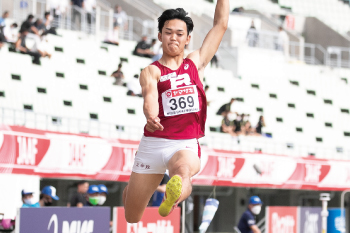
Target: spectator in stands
x=118, y=75
x=245, y=118
x=142, y=48
x=5, y=15
x=78, y=3
x=282, y=40
x=112, y=36
x=103, y=191
x=215, y=60
x=226, y=107
x=260, y=125
x=93, y=195
x=134, y=87
x=38, y=24
x=79, y=199
x=157, y=50
x=47, y=24
x=28, y=199
x=21, y=46
x=238, y=10
x=247, y=223
x=41, y=46
x=28, y=25
x=252, y=36
x=89, y=6
x=120, y=18
x=226, y=125
x=48, y=193
x=77, y=6
x=58, y=8
x=153, y=44
x=2, y=37
x=247, y=129
x=237, y=123
x=11, y=33
x=158, y=195
x=53, y=6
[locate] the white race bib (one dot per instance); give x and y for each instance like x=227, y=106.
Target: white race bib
x=180, y=100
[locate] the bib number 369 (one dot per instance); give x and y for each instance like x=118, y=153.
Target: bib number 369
x=180, y=101
x=183, y=103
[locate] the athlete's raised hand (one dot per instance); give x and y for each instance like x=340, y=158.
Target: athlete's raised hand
x=153, y=124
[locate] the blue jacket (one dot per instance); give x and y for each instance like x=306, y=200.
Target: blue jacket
x=247, y=220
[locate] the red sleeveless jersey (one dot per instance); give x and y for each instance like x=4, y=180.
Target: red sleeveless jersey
x=182, y=102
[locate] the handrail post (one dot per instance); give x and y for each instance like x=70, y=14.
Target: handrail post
x=98, y=22
x=301, y=48
x=110, y=19
x=34, y=7
x=342, y=205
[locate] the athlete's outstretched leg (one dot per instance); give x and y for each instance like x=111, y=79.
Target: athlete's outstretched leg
x=137, y=194
x=182, y=166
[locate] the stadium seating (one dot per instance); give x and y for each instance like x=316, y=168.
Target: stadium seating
x=73, y=92
x=334, y=13
x=202, y=6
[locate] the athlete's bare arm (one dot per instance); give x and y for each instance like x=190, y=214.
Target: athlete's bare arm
x=211, y=43
x=148, y=80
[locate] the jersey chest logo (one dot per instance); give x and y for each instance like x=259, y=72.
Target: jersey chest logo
x=180, y=80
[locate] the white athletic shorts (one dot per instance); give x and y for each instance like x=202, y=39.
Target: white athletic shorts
x=153, y=154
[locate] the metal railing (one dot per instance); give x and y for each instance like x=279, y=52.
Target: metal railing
x=56, y=123
x=262, y=224
x=313, y=54
x=255, y=38
x=338, y=57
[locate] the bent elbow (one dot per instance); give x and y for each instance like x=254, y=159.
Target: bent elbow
x=221, y=25
x=224, y=26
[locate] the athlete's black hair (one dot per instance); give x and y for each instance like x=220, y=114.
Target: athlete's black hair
x=177, y=13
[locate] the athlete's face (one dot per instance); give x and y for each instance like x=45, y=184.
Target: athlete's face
x=174, y=37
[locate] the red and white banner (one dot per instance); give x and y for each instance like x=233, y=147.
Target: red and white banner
x=53, y=154
x=293, y=219
x=281, y=219
x=151, y=222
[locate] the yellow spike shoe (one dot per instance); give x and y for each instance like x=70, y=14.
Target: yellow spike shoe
x=172, y=195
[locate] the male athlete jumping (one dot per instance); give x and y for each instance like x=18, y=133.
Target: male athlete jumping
x=175, y=109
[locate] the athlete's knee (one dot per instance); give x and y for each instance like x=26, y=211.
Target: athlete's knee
x=132, y=218
x=182, y=170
